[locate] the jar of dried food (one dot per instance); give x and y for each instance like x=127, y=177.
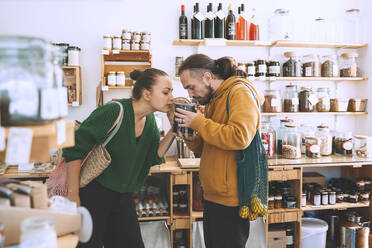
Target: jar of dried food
x=332, y=198
x=291, y=142
x=367, y=184
x=107, y=42
x=357, y=105
x=271, y=200
x=360, y=184
x=278, y=201
x=325, y=137
x=349, y=66
x=311, y=66
x=280, y=134
x=339, y=104
x=292, y=67
x=126, y=35
x=312, y=147
x=261, y=68
x=344, y=143
x=136, y=37
x=353, y=197
x=134, y=45
x=362, y=146
x=268, y=138
x=305, y=130
x=274, y=68
x=251, y=69
x=330, y=66
x=291, y=101
x=316, y=198
x=111, y=78
x=273, y=102
x=324, y=100
x=116, y=42
x=307, y=100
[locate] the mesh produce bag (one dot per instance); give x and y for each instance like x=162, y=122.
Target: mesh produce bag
x=252, y=175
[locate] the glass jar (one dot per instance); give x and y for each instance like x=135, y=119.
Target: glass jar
x=144, y=46
x=324, y=197
x=146, y=37
x=136, y=37
x=311, y=66
x=339, y=196
x=290, y=202
x=120, y=78
x=362, y=146
x=278, y=201
x=292, y=67
x=107, y=42
x=324, y=100
x=134, y=45
x=312, y=147
x=320, y=30
x=353, y=197
x=332, y=198
x=330, y=66
x=349, y=66
x=125, y=45
x=360, y=184
x=268, y=138
x=352, y=28
x=273, y=102
x=289, y=237
x=111, y=78
x=251, y=69
x=316, y=198
x=305, y=130
x=291, y=101
x=271, y=200
x=344, y=143
x=367, y=184
x=30, y=91
x=74, y=56
x=291, y=142
x=273, y=68
x=38, y=232
x=303, y=200
x=280, y=134
x=307, y=100
x=116, y=42
x=126, y=35
x=281, y=25
x=260, y=67
x=325, y=137
x=364, y=197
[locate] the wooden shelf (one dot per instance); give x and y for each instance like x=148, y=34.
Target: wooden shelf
x=12, y=172
x=72, y=81
x=345, y=205
x=197, y=214
x=120, y=87
x=315, y=113
x=190, y=42
x=307, y=79
x=154, y=218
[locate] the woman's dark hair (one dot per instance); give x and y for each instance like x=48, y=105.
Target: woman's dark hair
x=144, y=80
x=222, y=68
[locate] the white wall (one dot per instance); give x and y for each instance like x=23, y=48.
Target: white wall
x=83, y=23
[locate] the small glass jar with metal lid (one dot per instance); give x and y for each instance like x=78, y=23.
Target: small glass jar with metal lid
x=126, y=35
x=271, y=201
x=362, y=146
x=146, y=37
x=291, y=101
x=261, y=68
x=305, y=130
x=111, y=78
x=278, y=201
x=325, y=137
x=136, y=37
x=134, y=45
x=107, y=42
x=292, y=67
x=291, y=142
x=273, y=68
x=324, y=100
x=116, y=42
x=330, y=66
x=332, y=199
x=251, y=69
x=324, y=197
x=311, y=66
x=349, y=66
x=144, y=46
x=312, y=147
x=125, y=45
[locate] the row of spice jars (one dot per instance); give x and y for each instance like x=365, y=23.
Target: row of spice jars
x=70, y=54
x=280, y=195
x=127, y=41
x=116, y=78
x=328, y=66
x=261, y=68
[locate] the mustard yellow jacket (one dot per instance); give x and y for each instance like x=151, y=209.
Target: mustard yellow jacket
x=219, y=137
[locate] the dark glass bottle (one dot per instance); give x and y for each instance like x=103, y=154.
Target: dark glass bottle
x=192, y=23
x=219, y=23
x=230, y=25
x=197, y=27
x=183, y=24
x=209, y=22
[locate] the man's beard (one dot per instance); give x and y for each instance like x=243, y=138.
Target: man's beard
x=205, y=100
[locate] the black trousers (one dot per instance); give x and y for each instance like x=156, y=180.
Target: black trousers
x=223, y=228
x=115, y=223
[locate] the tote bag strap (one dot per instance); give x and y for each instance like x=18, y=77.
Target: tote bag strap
x=228, y=95
x=116, y=126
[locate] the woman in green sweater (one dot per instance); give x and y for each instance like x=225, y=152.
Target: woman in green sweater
x=134, y=149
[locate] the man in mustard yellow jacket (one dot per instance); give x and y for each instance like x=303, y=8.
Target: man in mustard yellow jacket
x=217, y=139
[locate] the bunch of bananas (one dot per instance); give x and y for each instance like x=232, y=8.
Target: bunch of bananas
x=257, y=209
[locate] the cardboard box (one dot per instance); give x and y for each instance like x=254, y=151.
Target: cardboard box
x=19, y=200
x=39, y=194
x=12, y=217
x=314, y=177
x=276, y=238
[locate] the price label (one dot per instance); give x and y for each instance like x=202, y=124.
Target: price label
x=75, y=104
x=105, y=52
x=2, y=139
x=115, y=51
x=61, y=132
x=19, y=146
x=105, y=88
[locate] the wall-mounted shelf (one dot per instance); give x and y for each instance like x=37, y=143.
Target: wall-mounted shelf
x=222, y=42
x=72, y=80
x=305, y=79
x=315, y=113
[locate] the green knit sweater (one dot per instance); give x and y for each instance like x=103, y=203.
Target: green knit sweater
x=131, y=158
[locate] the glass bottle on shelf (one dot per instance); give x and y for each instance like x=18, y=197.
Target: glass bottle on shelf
x=305, y=130
x=324, y=100
x=254, y=28
x=268, y=138
x=352, y=26
x=349, y=66
x=291, y=142
x=280, y=134
x=330, y=67
x=292, y=67
x=291, y=101
x=325, y=137
x=281, y=25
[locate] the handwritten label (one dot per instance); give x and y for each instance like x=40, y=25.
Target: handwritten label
x=105, y=52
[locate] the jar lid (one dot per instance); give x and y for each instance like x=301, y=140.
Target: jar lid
x=353, y=10
x=311, y=138
x=309, y=55
x=74, y=48
x=290, y=54
x=274, y=61
x=134, y=42
x=107, y=36
x=286, y=120
x=290, y=125
x=117, y=36
x=278, y=197
x=62, y=44
x=362, y=137
x=271, y=91
x=323, y=89
x=250, y=64
x=120, y=72
x=304, y=88
x=322, y=126
x=319, y=19
x=350, y=55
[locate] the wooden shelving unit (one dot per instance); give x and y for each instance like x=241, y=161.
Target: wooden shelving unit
x=72, y=80
x=340, y=206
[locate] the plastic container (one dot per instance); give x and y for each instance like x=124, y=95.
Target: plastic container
x=357, y=105
x=314, y=233
x=339, y=104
